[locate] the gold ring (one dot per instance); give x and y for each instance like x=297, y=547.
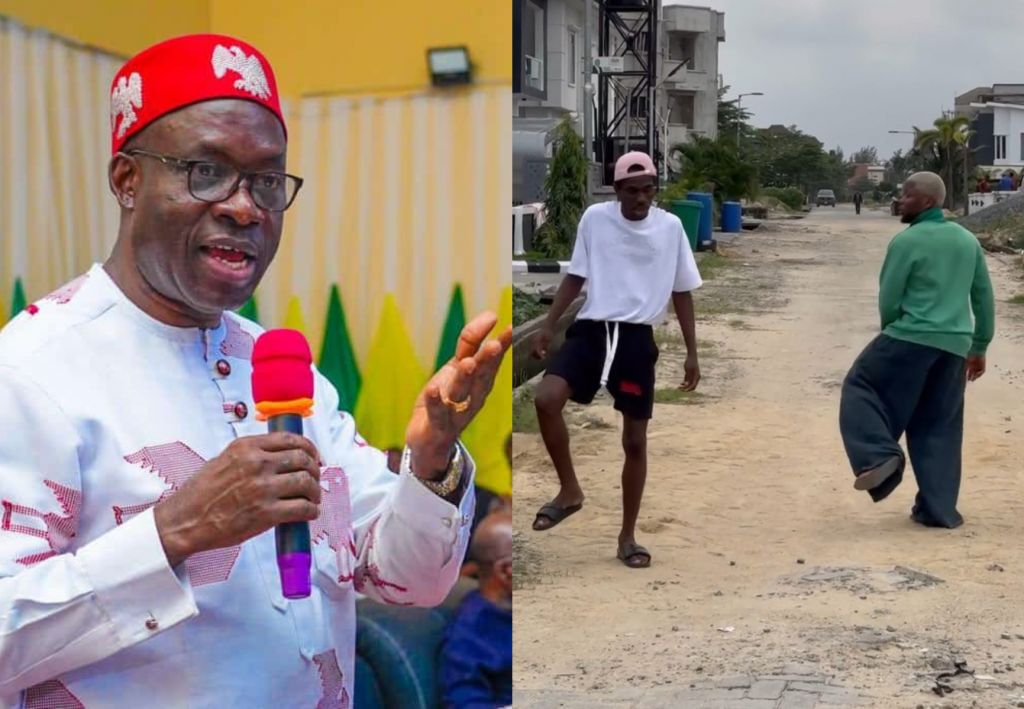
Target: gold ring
x=457, y=406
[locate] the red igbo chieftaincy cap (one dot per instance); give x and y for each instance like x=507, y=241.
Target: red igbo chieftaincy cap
x=185, y=70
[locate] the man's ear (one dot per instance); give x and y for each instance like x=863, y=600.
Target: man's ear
x=123, y=176
x=503, y=570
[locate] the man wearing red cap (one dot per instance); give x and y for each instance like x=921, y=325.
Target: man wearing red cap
x=633, y=257
x=137, y=561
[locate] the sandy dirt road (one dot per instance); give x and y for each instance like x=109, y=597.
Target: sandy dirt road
x=767, y=564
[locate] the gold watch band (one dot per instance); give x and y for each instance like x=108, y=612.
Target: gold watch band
x=446, y=485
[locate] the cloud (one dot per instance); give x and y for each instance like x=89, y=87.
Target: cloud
x=850, y=72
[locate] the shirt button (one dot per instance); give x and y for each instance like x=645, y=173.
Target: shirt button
x=223, y=367
x=447, y=522
x=152, y=624
x=241, y=410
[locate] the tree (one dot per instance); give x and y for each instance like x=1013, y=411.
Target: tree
x=787, y=157
x=946, y=143
x=565, y=193
x=714, y=165
x=867, y=155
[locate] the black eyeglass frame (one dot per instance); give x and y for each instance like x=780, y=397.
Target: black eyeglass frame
x=188, y=165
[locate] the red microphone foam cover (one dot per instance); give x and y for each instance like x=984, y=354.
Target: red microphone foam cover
x=281, y=370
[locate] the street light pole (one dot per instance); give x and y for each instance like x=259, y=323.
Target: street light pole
x=967, y=197
x=739, y=111
x=903, y=132
x=588, y=91
x=664, y=122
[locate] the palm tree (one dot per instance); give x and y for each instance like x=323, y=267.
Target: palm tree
x=949, y=136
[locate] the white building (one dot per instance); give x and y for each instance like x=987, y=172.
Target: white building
x=550, y=78
x=997, y=121
x=1001, y=145
x=689, y=95
x=876, y=173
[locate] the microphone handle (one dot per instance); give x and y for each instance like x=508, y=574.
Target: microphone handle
x=294, y=555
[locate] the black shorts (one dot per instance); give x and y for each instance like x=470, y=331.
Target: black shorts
x=631, y=379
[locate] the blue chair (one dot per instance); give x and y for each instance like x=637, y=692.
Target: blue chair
x=397, y=652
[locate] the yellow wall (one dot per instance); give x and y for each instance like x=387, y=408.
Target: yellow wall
x=369, y=46
x=117, y=26
x=315, y=46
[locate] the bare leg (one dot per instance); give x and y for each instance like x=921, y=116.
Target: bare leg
x=550, y=398
x=634, y=476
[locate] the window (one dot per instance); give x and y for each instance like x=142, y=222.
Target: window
x=680, y=110
x=1022, y=147
x=640, y=42
x=572, y=57
x=1000, y=141
x=682, y=46
x=638, y=106
x=534, y=45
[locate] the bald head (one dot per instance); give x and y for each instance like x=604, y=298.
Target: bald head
x=492, y=540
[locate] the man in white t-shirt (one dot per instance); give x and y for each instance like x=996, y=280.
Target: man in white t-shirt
x=634, y=257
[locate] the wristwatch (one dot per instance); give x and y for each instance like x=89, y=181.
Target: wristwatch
x=453, y=475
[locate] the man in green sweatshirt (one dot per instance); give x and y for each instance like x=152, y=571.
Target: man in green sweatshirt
x=911, y=378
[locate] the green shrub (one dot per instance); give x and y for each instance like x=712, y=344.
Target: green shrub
x=792, y=197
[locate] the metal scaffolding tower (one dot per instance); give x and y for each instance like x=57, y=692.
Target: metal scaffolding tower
x=627, y=82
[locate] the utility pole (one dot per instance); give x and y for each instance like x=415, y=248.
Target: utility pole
x=588, y=91
x=739, y=110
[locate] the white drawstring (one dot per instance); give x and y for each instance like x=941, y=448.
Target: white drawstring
x=611, y=344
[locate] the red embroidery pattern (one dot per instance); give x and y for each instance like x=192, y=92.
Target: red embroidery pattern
x=229, y=408
x=65, y=293
x=370, y=571
x=237, y=342
x=175, y=463
x=335, y=695
x=60, y=530
x=51, y=694
x=335, y=520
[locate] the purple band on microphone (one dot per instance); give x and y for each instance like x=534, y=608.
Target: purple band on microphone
x=295, y=577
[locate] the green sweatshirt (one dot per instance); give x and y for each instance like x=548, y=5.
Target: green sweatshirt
x=933, y=278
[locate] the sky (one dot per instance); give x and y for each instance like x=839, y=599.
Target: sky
x=848, y=72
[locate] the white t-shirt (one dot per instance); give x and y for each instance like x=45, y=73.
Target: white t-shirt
x=632, y=267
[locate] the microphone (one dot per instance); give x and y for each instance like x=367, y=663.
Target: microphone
x=282, y=389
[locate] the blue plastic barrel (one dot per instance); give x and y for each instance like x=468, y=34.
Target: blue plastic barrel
x=706, y=215
x=1005, y=183
x=732, y=217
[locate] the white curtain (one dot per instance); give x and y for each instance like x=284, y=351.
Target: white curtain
x=56, y=213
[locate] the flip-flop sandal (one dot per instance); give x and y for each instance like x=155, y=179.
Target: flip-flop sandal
x=870, y=479
x=632, y=551
x=556, y=514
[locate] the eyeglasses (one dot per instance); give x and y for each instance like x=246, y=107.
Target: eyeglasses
x=210, y=181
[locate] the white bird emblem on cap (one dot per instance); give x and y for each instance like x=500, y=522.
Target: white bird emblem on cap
x=124, y=99
x=249, y=68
